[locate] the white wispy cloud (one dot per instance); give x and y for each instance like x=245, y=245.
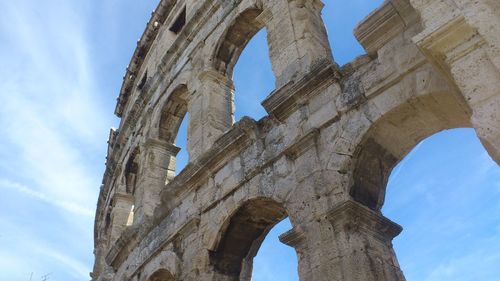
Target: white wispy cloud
x=78, y=269
x=63, y=204
x=53, y=126
x=48, y=114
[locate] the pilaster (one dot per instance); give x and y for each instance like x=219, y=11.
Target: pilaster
x=465, y=56
x=120, y=214
x=362, y=245
x=211, y=109
x=158, y=169
x=297, y=39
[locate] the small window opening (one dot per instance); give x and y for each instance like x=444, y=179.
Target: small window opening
x=131, y=170
x=107, y=221
x=143, y=81
x=179, y=22
x=275, y=260
x=253, y=78
x=181, y=141
x=130, y=219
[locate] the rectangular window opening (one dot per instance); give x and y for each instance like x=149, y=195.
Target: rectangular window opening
x=179, y=22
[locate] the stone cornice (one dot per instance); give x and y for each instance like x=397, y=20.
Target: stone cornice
x=224, y=148
x=284, y=101
x=185, y=37
x=302, y=145
x=162, y=145
x=158, y=17
x=354, y=217
x=389, y=20
x=128, y=239
x=294, y=238
x=212, y=75
x=123, y=197
x=453, y=40
x=133, y=236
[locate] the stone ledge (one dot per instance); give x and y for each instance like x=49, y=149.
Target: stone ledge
x=293, y=238
x=452, y=40
x=284, y=101
x=302, y=145
x=172, y=149
x=143, y=45
x=224, y=148
x=383, y=24
x=123, y=246
x=351, y=216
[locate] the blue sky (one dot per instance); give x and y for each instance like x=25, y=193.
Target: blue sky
x=62, y=64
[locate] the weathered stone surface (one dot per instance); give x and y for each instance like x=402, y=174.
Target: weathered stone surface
x=323, y=155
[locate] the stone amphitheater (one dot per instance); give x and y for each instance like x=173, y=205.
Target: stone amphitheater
x=322, y=155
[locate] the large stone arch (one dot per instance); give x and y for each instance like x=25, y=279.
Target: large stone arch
x=131, y=171
x=241, y=235
x=161, y=275
x=392, y=136
x=172, y=113
x=235, y=38
x=163, y=267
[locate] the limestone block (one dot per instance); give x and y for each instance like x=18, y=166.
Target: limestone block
x=476, y=76
x=486, y=121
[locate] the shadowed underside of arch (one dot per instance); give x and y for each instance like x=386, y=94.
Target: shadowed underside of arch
x=172, y=114
x=394, y=135
x=238, y=35
x=161, y=275
x=243, y=235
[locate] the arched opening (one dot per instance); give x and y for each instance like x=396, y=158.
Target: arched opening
x=131, y=172
x=432, y=202
x=446, y=195
x=275, y=260
x=253, y=78
x=181, y=141
x=243, y=56
x=172, y=114
x=173, y=125
x=243, y=236
x=341, y=17
x=393, y=136
x=161, y=275
x=245, y=26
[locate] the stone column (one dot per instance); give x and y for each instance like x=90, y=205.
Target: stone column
x=157, y=170
x=479, y=82
x=296, y=239
x=120, y=213
x=211, y=109
x=297, y=38
x=362, y=245
x=468, y=58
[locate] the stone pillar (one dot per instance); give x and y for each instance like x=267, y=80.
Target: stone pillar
x=211, y=109
x=362, y=245
x=122, y=206
x=479, y=82
x=484, y=16
x=468, y=57
x=297, y=38
x=157, y=170
x=296, y=239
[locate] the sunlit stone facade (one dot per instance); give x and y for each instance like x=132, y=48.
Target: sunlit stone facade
x=321, y=157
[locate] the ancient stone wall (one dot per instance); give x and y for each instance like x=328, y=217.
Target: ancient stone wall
x=321, y=157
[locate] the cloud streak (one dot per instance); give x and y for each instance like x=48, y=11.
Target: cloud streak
x=53, y=124
x=62, y=204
